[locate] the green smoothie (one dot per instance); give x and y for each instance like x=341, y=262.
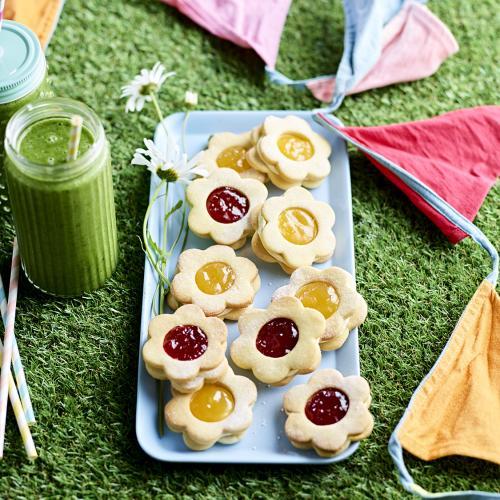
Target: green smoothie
x=63, y=211
x=7, y=109
x=46, y=142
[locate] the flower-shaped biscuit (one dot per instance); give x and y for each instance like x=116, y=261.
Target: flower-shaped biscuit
x=222, y=206
x=278, y=342
x=228, y=150
x=184, y=345
x=295, y=229
x=254, y=159
x=332, y=292
x=205, y=377
x=229, y=314
x=214, y=279
x=255, y=134
x=297, y=152
x=328, y=412
x=218, y=412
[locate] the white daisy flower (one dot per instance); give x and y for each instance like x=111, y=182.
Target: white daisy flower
x=138, y=91
x=171, y=167
x=191, y=98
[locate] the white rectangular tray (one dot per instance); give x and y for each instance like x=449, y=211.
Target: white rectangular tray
x=265, y=441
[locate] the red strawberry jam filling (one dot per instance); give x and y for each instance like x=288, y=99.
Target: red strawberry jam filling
x=327, y=406
x=185, y=342
x=277, y=337
x=227, y=205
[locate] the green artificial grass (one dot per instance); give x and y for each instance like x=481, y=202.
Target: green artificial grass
x=81, y=354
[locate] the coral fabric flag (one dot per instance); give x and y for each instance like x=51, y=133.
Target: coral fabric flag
x=456, y=154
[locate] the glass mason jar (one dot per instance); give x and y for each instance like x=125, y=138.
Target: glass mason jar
x=23, y=70
x=64, y=213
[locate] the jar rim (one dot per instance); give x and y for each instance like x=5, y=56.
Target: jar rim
x=53, y=107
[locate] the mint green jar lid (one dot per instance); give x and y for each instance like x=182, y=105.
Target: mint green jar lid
x=22, y=62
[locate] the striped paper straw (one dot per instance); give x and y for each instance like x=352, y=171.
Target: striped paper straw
x=8, y=342
x=2, y=9
x=74, y=136
x=22, y=423
x=17, y=365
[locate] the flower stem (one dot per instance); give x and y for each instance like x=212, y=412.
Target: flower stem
x=158, y=111
x=164, y=264
x=159, y=388
x=184, y=126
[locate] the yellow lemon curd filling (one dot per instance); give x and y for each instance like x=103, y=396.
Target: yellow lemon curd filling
x=212, y=403
x=215, y=278
x=295, y=147
x=319, y=295
x=297, y=225
x=234, y=158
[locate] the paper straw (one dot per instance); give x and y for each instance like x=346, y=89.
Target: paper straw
x=74, y=136
x=8, y=342
x=17, y=365
x=22, y=423
x=2, y=9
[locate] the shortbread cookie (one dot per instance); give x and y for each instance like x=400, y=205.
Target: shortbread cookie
x=205, y=376
x=328, y=413
x=295, y=229
x=214, y=279
x=272, y=170
x=279, y=342
x=222, y=206
x=184, y=345
x=296, y=151
x=217, y=412
x=257, y=163
x=228, y=150
x=332, y=292
x=229, y=314
x=255, y=134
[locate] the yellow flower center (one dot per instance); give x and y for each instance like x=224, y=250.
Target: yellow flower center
x=319, y=295
x=212, y=403
x=215, y=278
x=234, y=158
x=298, y=226
x=295, y=147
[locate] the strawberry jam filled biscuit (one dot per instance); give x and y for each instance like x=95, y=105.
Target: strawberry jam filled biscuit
x=185, y=346
x=279, y=342
x=328, y=413
x=222, y=206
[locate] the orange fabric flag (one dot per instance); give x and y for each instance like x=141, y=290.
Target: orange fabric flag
x=456, y=411
x=39, y=15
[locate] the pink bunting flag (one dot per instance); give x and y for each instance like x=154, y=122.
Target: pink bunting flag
x=255, y=24
x=415, y=43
